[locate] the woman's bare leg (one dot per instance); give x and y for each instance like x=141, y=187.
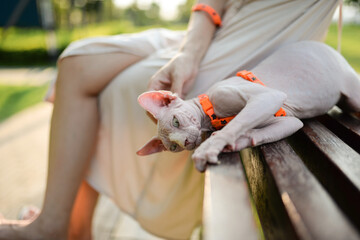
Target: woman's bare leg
x=74, y=128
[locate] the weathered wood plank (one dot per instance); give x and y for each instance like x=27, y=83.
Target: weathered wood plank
x=274, y=219
x=227, y=209
x=349, y=121
x=345, y=126
x=334, y=163
x=340, y=154
x=311, y=210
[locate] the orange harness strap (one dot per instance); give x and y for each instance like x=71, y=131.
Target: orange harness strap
x=252, y=78
x=208, y=108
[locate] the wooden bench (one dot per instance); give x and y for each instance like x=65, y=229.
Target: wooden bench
x=303, y=187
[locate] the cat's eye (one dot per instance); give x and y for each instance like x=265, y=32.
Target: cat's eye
x=173, y=147
x=175, y=122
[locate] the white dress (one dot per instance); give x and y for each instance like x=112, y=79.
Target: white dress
x=164, y=192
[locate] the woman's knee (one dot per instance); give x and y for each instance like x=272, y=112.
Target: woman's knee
x=90, y=74
x=72, y=75
x=78, y=75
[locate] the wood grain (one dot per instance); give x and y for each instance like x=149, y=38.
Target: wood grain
x=335, y=164
x=340, y=154
x=227, y=209
x=345, y=126
x=311, y=210
x=274, y=219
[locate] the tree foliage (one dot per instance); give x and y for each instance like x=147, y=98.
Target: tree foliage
x=355, y=3
x=184, y=11
x=141, y=17
x=72, y=13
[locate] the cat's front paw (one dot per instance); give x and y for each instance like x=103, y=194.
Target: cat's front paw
x=208, y=152
x=202, y=158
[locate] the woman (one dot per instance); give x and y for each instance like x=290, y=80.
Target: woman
x=97, y=125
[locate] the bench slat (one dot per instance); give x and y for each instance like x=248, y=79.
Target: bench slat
x=227, y=208
x=274, y=219
x=344, y=126
x=334, y=163
x=348, y=121
x=340, y=154
x=313, y=213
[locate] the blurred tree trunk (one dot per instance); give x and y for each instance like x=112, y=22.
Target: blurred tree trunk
x=69, y=13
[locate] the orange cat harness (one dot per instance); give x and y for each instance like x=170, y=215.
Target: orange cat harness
x=208, y=108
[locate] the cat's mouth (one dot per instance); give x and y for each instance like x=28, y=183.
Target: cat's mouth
x=199, y=140
x=193, y=141
x=191, y=145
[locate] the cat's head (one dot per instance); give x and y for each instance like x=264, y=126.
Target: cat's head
x=178, y=126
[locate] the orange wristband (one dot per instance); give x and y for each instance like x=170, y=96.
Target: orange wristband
x=209, y=10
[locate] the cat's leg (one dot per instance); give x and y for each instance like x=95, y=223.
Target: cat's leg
x=279, y=128
x=260, y=107
x=350, y=100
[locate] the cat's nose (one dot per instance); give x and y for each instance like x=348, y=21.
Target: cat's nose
x=186, y=142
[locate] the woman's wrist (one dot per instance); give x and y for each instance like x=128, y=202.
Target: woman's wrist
x=199, y=36
x=201, y=31
x=194, y=54
x=191, y=58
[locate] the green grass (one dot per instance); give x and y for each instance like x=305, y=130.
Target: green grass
x=16, y=98
x=350, y=44
x=28, y=46
x=18, y=39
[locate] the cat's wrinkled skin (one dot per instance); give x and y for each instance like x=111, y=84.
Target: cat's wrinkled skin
x=306, y=79
x=166, y=107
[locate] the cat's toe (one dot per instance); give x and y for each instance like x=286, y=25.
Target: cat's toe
x=200, y=166
x=212, y=157
x=199, y=160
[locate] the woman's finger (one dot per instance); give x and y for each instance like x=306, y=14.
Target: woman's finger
x=177, y=86
x=159, y=82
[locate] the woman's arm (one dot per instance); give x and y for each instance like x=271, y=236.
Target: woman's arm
x=179, y=73
x=201, y=30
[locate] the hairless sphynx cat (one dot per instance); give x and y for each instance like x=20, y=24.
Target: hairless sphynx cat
x=304, y=79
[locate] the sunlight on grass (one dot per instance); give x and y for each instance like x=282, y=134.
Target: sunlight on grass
x=350, y=46
x=22, y=47
x=17, y=39
x=33, y=40
x=30, y=39
x=13, y=99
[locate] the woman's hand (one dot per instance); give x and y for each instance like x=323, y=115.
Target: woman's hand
x=178, y=75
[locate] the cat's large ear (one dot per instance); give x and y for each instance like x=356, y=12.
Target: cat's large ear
x=153, y=146
x=153, y=101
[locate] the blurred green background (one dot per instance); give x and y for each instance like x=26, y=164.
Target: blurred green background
x=39, y=46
